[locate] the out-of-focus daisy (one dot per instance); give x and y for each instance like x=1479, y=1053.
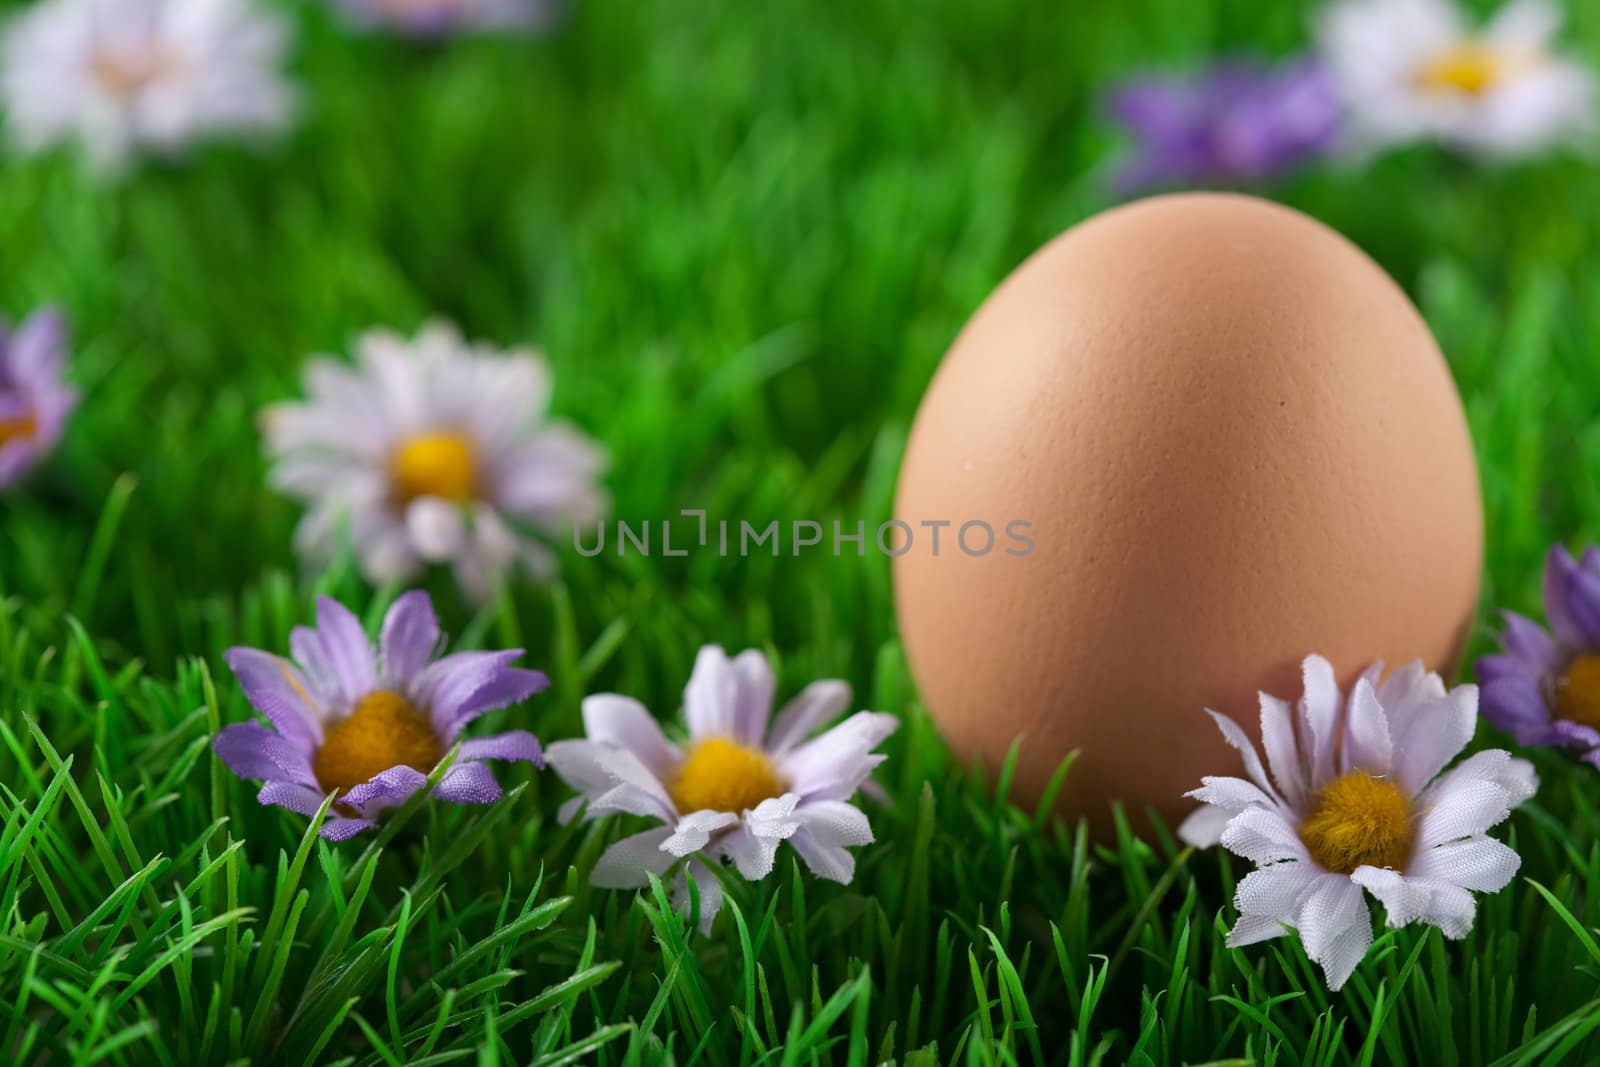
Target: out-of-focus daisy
x=1545, y=688
x=439, y=18
x=369, y=724
x=1357, y=801
x=119, y=75
x=432, y=450
x=1414, y=69
x=34, y=401
x=1238, y=122
x=737, y=789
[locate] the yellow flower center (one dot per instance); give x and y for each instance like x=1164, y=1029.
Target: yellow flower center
x=1468, y=68
x=383, y=731
x=17, y=429
x=722, y=775
x=125, y=72
x=1357, y=820
x=435, y=464
x=1578, y=692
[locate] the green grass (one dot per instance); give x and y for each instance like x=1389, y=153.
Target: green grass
x=744, y=234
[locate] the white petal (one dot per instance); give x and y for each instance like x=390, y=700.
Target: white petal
x=437, y=528
x=1335, y=926
x=623, y=722
x=754, y=685
x=817, y=705
x=1235, y=736
x=1281, y=745
x=832, y=862
x=1479, y=863
x=1320, y=708
x=709, y=697
x=1203, y=827
x=1462, y=809
x=710, y=893
x=833, y=822
x=1408, y=899
x=838, y=757
x=628, y=863
x=753, y=855
x=1252, y=929
x=1524, y=25
x=1234, y=794
x=1262, y=836
x=1366, y=741
x=1274, y=891
x=1436, y=733
x=694, y=831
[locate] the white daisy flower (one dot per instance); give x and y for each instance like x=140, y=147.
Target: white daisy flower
x=1414, y=69
x=119, y=75
x=736, y=790
x=432, y=451
x=1357, y=801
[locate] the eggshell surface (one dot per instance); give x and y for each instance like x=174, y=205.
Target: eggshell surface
x=1230, y=441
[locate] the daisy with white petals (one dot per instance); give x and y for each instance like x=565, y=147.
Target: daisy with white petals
x=120, y=75
x=1359, y=799
x=1415, y=69
x=738, y=788
x=433, y=451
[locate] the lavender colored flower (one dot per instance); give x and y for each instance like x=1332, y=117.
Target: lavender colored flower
x=1240, y=121
x=1544, y=689
x=369, y=724
x=441, y=18
x=34, y=402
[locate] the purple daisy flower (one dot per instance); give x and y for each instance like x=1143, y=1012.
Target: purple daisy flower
x=34, y=402
x=1544, y=689
x=369, y=724
x=1240, y=121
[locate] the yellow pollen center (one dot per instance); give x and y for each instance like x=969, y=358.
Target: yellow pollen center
x=1358, y=820
x=125, y=73
x=722, y=775
x=435, y=464
x=1578, y=692
x=17, y=429
x=383, y=731
x=1467, y=68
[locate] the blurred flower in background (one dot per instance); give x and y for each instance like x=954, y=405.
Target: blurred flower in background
x=119, y=75
x=34, y=402
x=438, y=18
x=433, y=450
x=1413, y=69
x=1239, y=122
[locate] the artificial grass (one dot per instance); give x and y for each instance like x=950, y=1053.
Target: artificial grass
x=744, y=235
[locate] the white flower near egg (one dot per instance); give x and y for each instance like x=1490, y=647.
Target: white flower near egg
x=119, y=76
x=1359, y=800
x=1411, y=70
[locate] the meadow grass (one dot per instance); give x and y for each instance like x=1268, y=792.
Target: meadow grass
x=744, y=235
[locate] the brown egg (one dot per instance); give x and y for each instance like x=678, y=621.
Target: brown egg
x=1233, y=442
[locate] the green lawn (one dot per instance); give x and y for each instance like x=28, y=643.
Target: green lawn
x=744, y=235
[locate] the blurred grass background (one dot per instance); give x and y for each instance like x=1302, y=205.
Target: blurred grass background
x=743, y=235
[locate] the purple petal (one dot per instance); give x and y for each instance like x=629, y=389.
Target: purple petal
x=1583, y=604
x=1513, y=704
x=410, y=635
x=1558, y=567
x=348, y=650
x=252, y=751
x=1575, y=734
x=513, y=745
x=277, y=690
x=459, y=688
x=1529, y=641
x=338, y=828
x=297, y=798
x=386, y=789
x=36, y=351
x=468, y=783
x=306, y=648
